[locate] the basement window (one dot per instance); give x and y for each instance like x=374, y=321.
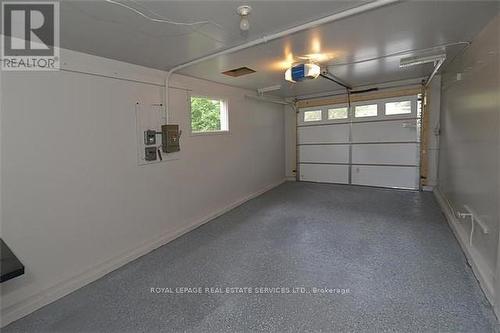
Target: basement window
x=339, y=113
x=402, y=107
x=208, y=115
x=312, y=115
x=365, y=111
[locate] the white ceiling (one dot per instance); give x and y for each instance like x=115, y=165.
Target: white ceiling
x=108, y=30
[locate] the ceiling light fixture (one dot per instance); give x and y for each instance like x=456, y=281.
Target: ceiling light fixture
x=420, y=60
x=261, y=91
x=243, y=12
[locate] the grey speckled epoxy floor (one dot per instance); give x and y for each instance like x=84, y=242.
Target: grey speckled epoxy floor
x=392, y=249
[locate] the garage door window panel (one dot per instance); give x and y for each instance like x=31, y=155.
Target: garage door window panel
x=397, y=108
x=313, y=115
x=363, y=111
x=338, y=113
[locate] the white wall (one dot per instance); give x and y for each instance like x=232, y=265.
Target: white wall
x=470, y=150
x=76, y=205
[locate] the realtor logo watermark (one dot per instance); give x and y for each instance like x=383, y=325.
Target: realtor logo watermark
x=30, y=36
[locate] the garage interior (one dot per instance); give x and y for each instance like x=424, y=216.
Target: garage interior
x=227, y=166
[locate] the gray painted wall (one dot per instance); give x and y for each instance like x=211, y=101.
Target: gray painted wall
x=470, y=147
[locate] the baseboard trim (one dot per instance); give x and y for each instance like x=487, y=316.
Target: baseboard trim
x=428, y=188
x=483, y=274
x=61, y=289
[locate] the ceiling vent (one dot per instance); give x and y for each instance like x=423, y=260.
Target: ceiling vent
x=239, y=72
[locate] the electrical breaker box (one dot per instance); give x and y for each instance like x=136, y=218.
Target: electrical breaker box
x=170, y=138
x=149, y=137
x=150, y=153
x=154, y=141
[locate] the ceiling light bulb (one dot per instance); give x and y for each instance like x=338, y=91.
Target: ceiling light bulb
x=244, y=24
x=243, y=12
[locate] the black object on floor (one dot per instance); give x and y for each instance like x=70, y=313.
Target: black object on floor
x=10, y=266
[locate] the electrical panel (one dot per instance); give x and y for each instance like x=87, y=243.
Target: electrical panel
x=170, y=135
x=156, y=142
x=150, y=137
x=150, y=153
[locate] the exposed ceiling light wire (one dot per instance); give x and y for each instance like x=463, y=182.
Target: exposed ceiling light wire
x=160, y=19
x=138, y=31
x=195, y=26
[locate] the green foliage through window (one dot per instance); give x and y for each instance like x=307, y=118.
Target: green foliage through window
x=205, y=114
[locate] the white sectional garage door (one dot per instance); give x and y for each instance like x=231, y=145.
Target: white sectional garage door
x=373, y=143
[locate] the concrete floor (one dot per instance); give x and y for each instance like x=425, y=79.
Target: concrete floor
x=392, y=249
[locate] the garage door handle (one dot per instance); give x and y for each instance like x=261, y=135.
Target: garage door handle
x=409, y=125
